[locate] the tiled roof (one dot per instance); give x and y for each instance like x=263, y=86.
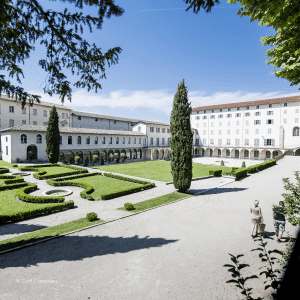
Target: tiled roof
x=42, y=103
x=71, y=130
x=249, y=103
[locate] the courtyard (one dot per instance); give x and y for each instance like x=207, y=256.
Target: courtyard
x=176, y=251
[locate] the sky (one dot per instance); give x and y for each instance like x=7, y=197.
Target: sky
x=219, y=55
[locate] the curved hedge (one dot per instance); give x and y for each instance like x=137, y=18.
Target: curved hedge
x=36, y=212
x=22, y=195
x=12, y=186
x=12, y=178
x=3, y=170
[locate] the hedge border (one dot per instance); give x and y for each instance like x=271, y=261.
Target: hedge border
x=4, y=170
x=12, y=179
x=215, y=173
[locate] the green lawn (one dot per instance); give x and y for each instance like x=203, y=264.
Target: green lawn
x=156, y=201
x=157, y=170
x=105, y=185
x=6, y=164
x=57, y=170
x=46, y=233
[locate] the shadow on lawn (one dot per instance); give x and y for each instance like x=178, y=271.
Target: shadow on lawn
x=72, y=248
x=19, y=228
x=215, y=191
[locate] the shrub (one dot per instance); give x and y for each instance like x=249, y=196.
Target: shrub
x=86, y=161
x=222, y=163
x=124, y=156
x=77, y=159
x=69, y=158
x=14, y=165
x=215, y=173
x=3, y=170
x=102, y=161
x=243, y=165
x=91, y=216
x=95, y=158
x=111, y=157
x=128, y=206
x=240, y=174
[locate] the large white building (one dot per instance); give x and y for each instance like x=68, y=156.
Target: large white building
x=257, y=129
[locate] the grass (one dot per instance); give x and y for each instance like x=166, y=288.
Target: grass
x=6, y=164
x=106, y=185
x=156, y=201
x=46, y=233
x=157, y=170
x=53, y=170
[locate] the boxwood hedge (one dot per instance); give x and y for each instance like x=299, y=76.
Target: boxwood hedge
x=3, y=170
x=12, y=178
x=215, y=173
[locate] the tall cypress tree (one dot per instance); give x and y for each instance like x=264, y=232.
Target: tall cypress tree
x=181, y=140
x=52, y=137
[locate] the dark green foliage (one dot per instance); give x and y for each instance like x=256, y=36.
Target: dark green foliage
x=86, y=161
x=78, y=159
x=181, y=140
x=95, y=158
x=4, y=170
x=215, y=173
x=128, y=206
x=91, y=216
x=262, y=166
x=102, y=161
x=240, y=174
x=69, y=158
x=243, y=165
x=52, y=137
x=222, y=163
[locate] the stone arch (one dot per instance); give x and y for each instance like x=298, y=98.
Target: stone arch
x=296, y=131
x=103, y=155
x=134, y=156
x=109, y=153
x=123, y=152
x=139, y=154
x=275, y=153
x=80, y=154
x=268, y=154
x=62, y=157
x=32, y=152
x=70, y=157
x=297, y=152
x=117, y=154
x=202, y=152
x=96, y=152
x=87, y=155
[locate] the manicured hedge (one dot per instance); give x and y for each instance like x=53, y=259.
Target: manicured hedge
x=240, y=174
x=262, y=166
x=3, y=170
x=42, y=172
x=215, y=173
x=13, y=186
x=22, y=194
x=12, y=178
x=53, y=181
x=36, y=212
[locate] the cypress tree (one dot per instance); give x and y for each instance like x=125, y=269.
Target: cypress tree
x=52, y=137
x=181, y=140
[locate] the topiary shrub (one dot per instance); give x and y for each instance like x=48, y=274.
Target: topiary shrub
x=243, y=165
x=95, y=158
x=128, y=206
x=222, y=163
x=77, y=159
x=215, y=173
x=92, y=216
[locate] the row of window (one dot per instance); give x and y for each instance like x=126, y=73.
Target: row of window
x=11, y=123
x=157, y=129
x=157, y=141
x=39, y=139
x=238, y=108
x=104, y=140
x=246, y=153
x=267, y=142
x=11, y=109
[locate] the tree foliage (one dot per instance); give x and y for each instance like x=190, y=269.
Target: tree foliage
x=284, y=17
x=52, y=137
x=181, y=140
x=23, y=23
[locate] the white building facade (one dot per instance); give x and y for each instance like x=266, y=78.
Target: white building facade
x=259, y=129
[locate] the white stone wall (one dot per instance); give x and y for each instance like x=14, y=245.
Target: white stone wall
x=157, y=135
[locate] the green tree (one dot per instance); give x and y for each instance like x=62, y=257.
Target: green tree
x=181, y=140
x=52, y=137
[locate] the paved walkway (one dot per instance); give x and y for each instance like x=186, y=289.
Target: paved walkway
x=173, y=252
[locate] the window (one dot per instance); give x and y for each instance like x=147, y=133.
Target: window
x=79, y=118
x=44, y=113
x=247, y=131
x=79, y=140
x=220, y=123
x=204, y=132
x=38, y=139
x=269, y=130
x=34, y=123
x=228, y=123
x=212, y=116
x=229, y=109
x=204, y=141
x=296, y=120
x=157, y=141
x=6, y=150
x=123, y=140
x=140, y=140
x=270, y=112
x=197, y=118
x=0, y=122
x=227, y=152
x=246, y=142
x=204, y=117
x=269, y=142
x=34, y=112
x=256, y=142
x=204, y=124
x=168, y=130
x=238, y=115
x=256, y=153
x=296, y=131
x=45, y=123
x=270, y=105
x=110, y=140
x=246, y=153
x=228, y=142
x=219, y=142
x=212, y=124
x=157, y=129
x=24, y=111
x=220, y=132
x=197, y=124
x=134, y=140
x=88, y=140
x=237, y=108
x=297, y=111
x=212, y=132
x=197, y=142
x=256, y=131
x=11, y=109
x=237, y=142
x=284, y=120
x=115, y=122
x=11, y=123
x=257, y=106
x=212, y=110
x=228, y=115
x=60, y=140
x=284, y=104
x=247, y=123
x=257, y=113
x=103, y=140
x=247, y=114
x=69, y=140
x=23, y=122
x=23, y=139
x=228, y=131
x=221, y=109
x=151, y=129
x=237, y=131
x=117, y=140
x=237, y=123
x=204, y=111
x=151, y=141
x=247, y=107
x=129, y=140
x=256, y=122
x=285, y=111
x=96, y=140
x=270, y=121
x=220, y=116
x=163, y=141
x=212, y=141
x=96, y=119
x=6, y=139
x=163, y=130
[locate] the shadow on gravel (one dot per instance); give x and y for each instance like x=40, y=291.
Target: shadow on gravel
x=13, y=228
x=215, y=191
x=72, y=248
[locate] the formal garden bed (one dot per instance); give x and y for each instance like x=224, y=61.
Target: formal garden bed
x=158, y=170
x=46, y=233
x=48, y=171
x=143, y=205
x=99, y=187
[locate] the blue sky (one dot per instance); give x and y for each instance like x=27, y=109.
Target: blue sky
x=219, y=55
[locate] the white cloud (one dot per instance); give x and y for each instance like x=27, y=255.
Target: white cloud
x=160, y=101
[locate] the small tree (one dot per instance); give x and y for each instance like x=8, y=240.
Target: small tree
x=181, y=140
x=95, y=158
x=52, y=137
x=111, y=157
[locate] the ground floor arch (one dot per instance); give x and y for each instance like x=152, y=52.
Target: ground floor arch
x=32, y=152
